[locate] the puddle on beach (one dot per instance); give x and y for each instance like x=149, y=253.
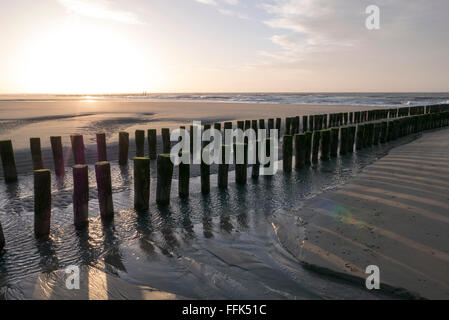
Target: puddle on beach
x=241, y=243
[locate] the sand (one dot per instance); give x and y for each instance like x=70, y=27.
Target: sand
x=394, y=215
x=21, y=120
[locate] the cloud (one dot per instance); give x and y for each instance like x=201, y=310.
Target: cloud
x=99, y=9
x=211, y=2
x=225, y=11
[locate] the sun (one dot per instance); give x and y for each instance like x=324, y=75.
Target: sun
x=81, y=57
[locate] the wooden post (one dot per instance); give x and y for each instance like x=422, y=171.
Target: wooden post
x=166, y=144
x=344, y=140
x=184, y=177
x=142, y=183
x=123, y=140
x=288, y=123
x=351, y=139
x=36, y=153
x=191, y=138
x=104, y=186
x=360, y=136
x=334, y=142
x=140, y=143
x=241, y=125
x=300, y=150
x=316, y=145
x=308, y=151
x=325, y=144
x=2, y=239
x=102, y=154
x=278, y=127
x=223, y=167
x=270, y=125
x=256, y=167
x=42, y=202
x=293, y=128
x=305, y=123
x=376, y=133
x=8, y=162
x=164, y=178
x=287, y=151
x=241, y=168
x=247, y=125
x=369, y=134
x=58, y=155
x=205, y=168
x=79, y=156
x=152, y=143
x=80, y=195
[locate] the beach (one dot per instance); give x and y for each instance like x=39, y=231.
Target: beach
x=245, y=242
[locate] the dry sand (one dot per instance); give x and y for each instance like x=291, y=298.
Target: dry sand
x=394, y=215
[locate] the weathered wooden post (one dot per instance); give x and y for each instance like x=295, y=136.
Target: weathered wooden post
x=58, y=155
x=270, y=125
x=152, y=143
x=351, y=140
x=123, y=141
x=308, y=152
x=36, y=153
x=80, y=195
x=101, y=147
x=369, y=134
x=223, y=167
x=184, y=177
x=166, y=144
x=79, y=156
x=164, y=178
x=205, y=168
x=278, y=127
x=325, y=144
x=360, y=136
x=240, y=168
x=316, y=145
x=256, y=167
x=2, y=238
x=334, y=142
x=293, y=126
x=288, y=123
x=287, y=151
x=344, y=140
x=376, y=134
x=305, y=122
x=8, y=162
x=42, y=202
x=142, y=183
x=247, y=124
x=140, y=143
x=300, y=150
x=104, y=186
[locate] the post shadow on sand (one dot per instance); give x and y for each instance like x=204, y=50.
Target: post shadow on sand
x=144, y=226
x=166, y=215
x=48, y=258
x=112, y=256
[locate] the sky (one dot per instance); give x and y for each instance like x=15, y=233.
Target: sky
x=124, y=46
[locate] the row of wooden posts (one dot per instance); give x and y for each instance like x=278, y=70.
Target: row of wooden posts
x=348, y=130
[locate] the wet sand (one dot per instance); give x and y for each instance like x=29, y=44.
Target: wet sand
x=394, y=215
x=242, y=243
